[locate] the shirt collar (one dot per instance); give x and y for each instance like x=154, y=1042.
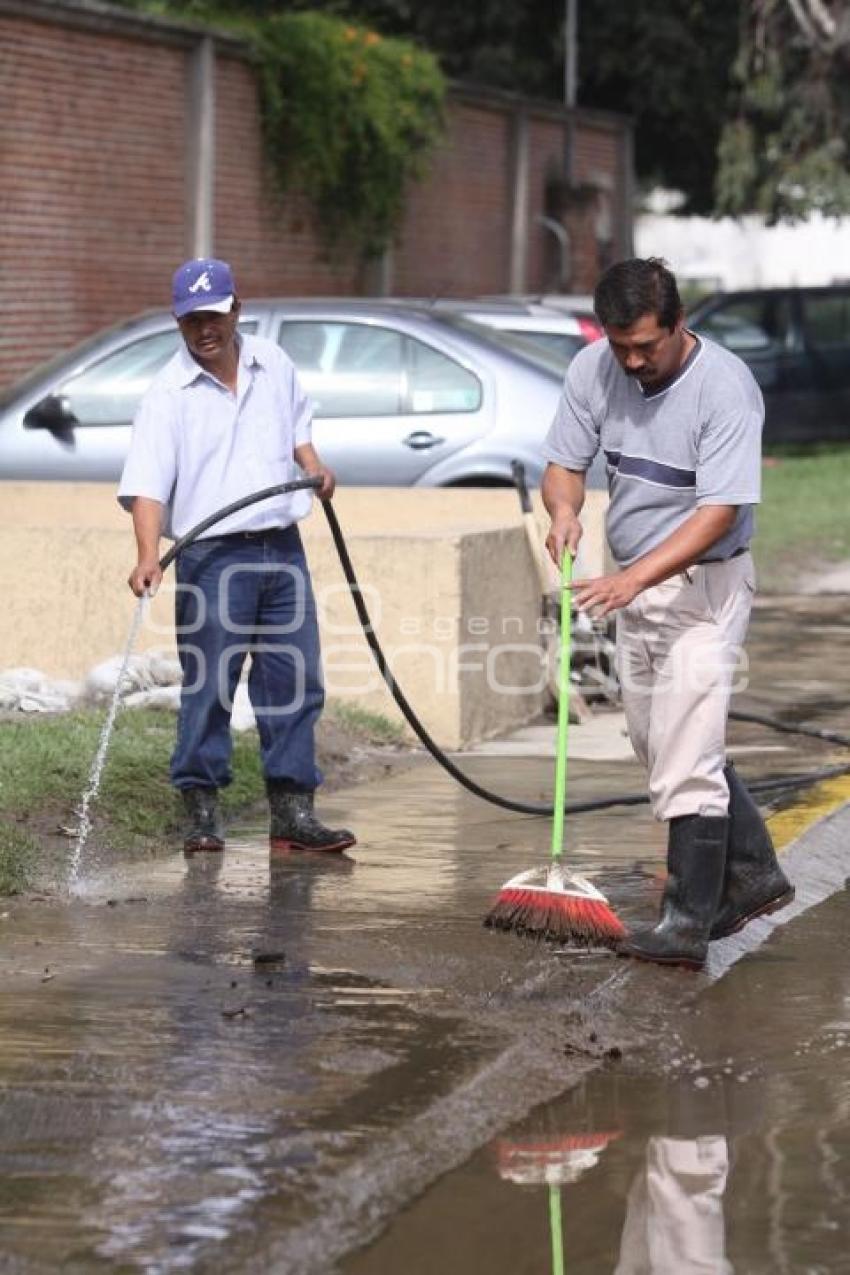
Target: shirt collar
x=655, y=390
x=188, y=370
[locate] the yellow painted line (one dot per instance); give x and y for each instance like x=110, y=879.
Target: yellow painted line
x=787, y=825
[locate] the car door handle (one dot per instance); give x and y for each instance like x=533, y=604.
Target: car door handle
x=420, y=440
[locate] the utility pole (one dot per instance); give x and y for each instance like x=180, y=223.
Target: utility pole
x=200, y=124
x=570, y=82
x=570, y=53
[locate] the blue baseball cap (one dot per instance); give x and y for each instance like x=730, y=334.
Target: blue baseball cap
x=202, y=284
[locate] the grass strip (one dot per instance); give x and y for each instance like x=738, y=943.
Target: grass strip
x=45, y=765
x=802, y=524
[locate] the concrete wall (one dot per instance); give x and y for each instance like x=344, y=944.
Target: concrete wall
x=96, y=187
x=746, y=253
x=447, y=577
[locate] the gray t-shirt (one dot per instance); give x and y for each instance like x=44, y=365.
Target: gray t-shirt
x=695, y=441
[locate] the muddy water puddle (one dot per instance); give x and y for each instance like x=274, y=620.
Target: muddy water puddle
x=723, y=1147
x=202, y=1059
x=251, y=1065
x=155, y=1096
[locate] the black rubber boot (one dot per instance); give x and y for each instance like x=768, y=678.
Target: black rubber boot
x=754, y=884
x=203, y=823
x=696, y=854
x=294, y=825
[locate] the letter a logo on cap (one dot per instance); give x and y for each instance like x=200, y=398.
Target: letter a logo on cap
x=202, y=284
x=202, y=281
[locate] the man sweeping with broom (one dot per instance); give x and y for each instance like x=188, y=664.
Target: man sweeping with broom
x=679, y=419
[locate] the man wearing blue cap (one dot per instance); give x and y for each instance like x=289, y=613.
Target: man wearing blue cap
x=224, y=418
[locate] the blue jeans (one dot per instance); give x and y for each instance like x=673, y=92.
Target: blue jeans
x=239, y=594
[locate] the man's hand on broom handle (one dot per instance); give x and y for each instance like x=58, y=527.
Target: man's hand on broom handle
x=563, y=495
x=682, y=549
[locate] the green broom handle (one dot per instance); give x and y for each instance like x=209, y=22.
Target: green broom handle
x=556, y=1229
x=563, y=707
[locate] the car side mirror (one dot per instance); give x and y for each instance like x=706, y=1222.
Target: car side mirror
x=52, y=412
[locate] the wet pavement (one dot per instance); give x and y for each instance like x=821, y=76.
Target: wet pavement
x=251, y=1065
x=724, y=1147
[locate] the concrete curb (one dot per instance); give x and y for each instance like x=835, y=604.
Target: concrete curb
x=818, y=865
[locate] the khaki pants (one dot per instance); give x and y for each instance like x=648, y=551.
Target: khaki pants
x=674, y=1221
x=679, y=654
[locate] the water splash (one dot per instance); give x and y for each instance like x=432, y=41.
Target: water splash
x=90, y=794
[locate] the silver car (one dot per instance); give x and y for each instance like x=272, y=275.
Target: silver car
x=403, y=396
x=553, y=331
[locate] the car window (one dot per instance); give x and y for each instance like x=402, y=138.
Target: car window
x=438, y=384
x=108, y=392
x=360, y=369
x=826, y=319
x=750, y=324
x=348, y=369
x=562, y=344
x=530, y=350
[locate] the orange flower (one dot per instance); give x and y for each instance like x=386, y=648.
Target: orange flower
x=372, y=37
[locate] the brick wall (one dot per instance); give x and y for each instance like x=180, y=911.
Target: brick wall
x=268, y=237
x=91, y=183
x=455, y=236
x=94, y=190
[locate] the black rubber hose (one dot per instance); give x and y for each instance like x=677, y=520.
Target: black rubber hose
x=280, y=489
x=814, y=732
x=506, y=803
x=537, y=808
x=522, y=807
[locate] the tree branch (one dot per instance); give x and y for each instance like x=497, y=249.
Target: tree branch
x=817, y=23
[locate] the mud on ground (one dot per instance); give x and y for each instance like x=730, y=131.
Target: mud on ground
x=35, y=835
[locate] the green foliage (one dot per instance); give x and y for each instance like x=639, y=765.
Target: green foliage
x=349, y=119
x=44, y=769
x=375, y=726
x=667, y=63
x=784, y=151
x=735, y=103
x=18, y=857
x=349, y=115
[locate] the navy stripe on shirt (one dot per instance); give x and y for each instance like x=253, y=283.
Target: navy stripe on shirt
x=651, y=470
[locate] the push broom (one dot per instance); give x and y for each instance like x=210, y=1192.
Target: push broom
x=550, y=903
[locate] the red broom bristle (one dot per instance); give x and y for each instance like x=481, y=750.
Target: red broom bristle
x=555, y=917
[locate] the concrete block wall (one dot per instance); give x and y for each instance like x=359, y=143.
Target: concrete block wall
x=446, y=574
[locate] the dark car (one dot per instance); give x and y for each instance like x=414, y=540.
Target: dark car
x=797, y=343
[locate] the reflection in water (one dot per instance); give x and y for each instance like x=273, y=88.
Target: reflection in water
x=554, y=1160
x=204, y=1065
x=674, y=1216
x=214, y=1107
x=674, y=1221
